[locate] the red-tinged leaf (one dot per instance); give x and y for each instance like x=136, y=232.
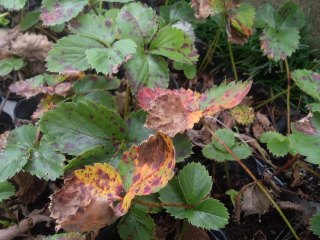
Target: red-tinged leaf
x=47, y=103
x=224, y=97
x=153, y=163
x=76, y=208
x=41, y=84
x=170, y=111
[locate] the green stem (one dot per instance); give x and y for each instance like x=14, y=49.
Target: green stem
x=211, y=50
x=233, y=63
x=288, y=95
x=100, y=4
x=226, y=169
x=160, y=204
x=259, y=184
x=184, y=229
x=166, y=3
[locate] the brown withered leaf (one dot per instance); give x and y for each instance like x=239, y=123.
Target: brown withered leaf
x=180, y=118
x=253, y=201
x=261, y=124
x=76, y=209
x=206, y=8
x=3, y=139
x=26, y=45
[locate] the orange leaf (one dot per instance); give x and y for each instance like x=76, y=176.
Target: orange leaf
x=153, y=162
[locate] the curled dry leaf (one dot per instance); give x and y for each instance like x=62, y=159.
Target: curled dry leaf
x=261, y=124
x=174, y=111
x=253, y=200
x=26, y=45
x=87, y=201
x=206, y=8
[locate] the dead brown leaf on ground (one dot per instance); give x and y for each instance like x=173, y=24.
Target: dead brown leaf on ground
x=261, y=124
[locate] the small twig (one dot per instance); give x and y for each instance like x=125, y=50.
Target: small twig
x=288, y=95
x=46, y=33
x=233, y=63
x=259, y=184
x=4, y=102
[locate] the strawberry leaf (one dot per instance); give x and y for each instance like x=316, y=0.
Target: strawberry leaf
x=55, y=12
x=136, y=225
x=137, y=22
x=66, y=236
x=308, y=81
x=205, y=213
x=93, y=83
x=225, y=96
x=7, y=65
x=216, y=151
x=174, y=44
x=147, y=70
x=77, y=127
x=21, y=153
x=13, y=4
x=99, y=28
x=7, y=190
x=277, y=143
x=315, y=224
x=68, y=54
x=183, y=147
x=108, y=60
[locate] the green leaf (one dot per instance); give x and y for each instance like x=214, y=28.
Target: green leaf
x=183, y=147
x=77, y=127
x=277, y=144
x=22, y=152
x=58, y=28
x=172, y=193
x=189, y=71
x=175, y=44
x=195, y=182
x=292, y=15
x=305, y=138
x=13, y=4
x=210, y=214
x=55, y=12
x=97, y=154
x=17, y=151
x=216, y=151
x=9, y=64
x=92, y=83
x=67, y=236
x=179, y=11
x=98, y=28
x=45, y=162
x=205, y=213
x=99, y=97
x=313, y=107
x=108, y=60
x=279, y=43
x=136, y=130
x=6, y=190
x=68, y=54
x=308, y=81
x=137, y=22
x=147, y=70
x=29, y=20
x=267, y=16
x=136, y=225
x=315, y=224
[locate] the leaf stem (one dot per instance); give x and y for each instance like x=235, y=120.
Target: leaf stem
x=233, y=63
x=259, y=184
x=288, y=95
x=127, y=104
x=210, y=52
x=161, y=204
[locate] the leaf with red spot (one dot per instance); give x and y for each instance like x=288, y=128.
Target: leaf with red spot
x=225, y=96
x=55, y=12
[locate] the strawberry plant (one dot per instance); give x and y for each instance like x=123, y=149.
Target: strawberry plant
x=129, y=133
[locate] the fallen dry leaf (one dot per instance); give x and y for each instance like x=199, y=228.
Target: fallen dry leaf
x=253, y=201
x=261, y=124
x=3, y=139
x=26, y=45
